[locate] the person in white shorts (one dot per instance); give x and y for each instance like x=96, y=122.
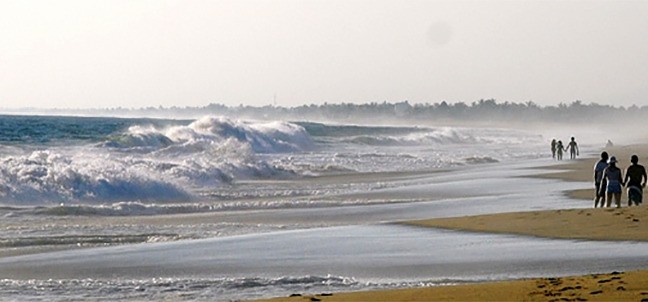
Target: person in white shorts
x=613, y=176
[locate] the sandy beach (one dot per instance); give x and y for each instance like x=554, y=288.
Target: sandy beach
x=615, y=286
x=321, y=246
x=304, y=150
x=606, y=224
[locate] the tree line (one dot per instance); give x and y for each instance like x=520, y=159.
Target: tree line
x=482, y=111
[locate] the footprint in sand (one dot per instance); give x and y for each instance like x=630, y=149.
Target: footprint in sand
x=596, y=292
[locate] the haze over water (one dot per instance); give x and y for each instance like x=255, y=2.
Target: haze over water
x=226, y=150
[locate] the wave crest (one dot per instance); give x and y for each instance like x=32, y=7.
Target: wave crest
x=271, y=137
x=52, y=177
x=139, y=137
x=441, y=136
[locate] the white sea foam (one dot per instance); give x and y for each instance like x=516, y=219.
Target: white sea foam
x=149, y=164
x=165, y=162
x=50, y=177
x=444, y=136
x=217, y=289
x=202, y=134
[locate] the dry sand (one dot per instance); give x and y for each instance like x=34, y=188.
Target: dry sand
x=583, y=169
x=628, y=223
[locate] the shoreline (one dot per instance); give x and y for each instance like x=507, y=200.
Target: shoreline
x=551, y=287
x=608, y=224
x=605, y=224
x=613, y=286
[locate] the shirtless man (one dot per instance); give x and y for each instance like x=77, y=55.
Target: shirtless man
x=635, y=180
x=599, y=194
x=573, y=148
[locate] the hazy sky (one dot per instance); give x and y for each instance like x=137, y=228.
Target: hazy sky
x=135, y=53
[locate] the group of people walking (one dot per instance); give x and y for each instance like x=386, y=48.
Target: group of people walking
x=557, y=149
x=609, y=180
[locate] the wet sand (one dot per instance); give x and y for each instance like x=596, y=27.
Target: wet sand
x=612, y=223
x=616, y=286
x=583, y=168
x=591, y=224
x=626, y=223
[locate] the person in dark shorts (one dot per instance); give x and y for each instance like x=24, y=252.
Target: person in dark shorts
x=573, y=148
x=613, y=176
x=635, y=180
x=599, y=194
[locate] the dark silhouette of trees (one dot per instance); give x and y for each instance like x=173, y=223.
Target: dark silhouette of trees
x=484, y=111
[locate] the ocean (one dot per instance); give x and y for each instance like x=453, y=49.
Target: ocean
x=101, y=208
x=149, y=166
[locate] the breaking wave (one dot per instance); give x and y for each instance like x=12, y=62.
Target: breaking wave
x=474, y=160
x=149, y=162
x=271, y=137
x=54, y=160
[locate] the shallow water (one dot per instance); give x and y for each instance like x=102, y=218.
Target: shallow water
x=311, y=261
x=465, y=191
x=364, y=253
x=217, y=209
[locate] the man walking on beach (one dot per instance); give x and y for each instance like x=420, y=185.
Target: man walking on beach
x=573, y=148
x=599, y=167
x=635, y=180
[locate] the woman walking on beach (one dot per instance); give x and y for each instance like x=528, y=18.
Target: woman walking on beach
x=636, y=180
x=614, y=178
x=599, y=167
x=553, y=148
x=559, y=150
